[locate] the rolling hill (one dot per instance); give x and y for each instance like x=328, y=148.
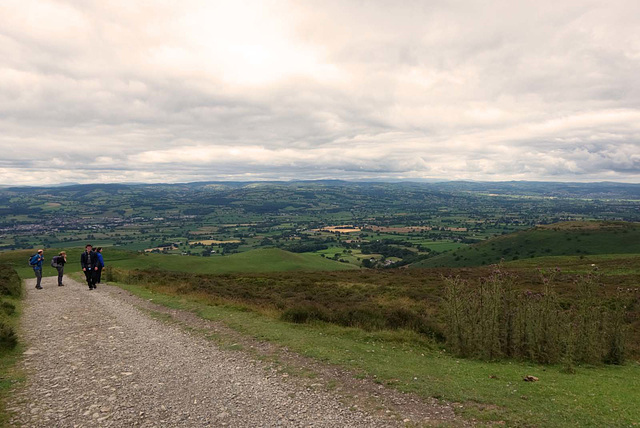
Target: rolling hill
x=559, y=239
x=261, y=260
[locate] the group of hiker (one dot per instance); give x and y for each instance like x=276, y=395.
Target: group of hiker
x=91, y=262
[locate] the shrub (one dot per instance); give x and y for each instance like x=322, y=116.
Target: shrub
x=10, y=284
x=301, y=315
x=363, y=318
x=108, y=274
x=8, y=337
x=8, y=308
x=403, y=318
x=616, y=334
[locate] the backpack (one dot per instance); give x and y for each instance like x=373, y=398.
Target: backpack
x=54, y=261
x=32, y=260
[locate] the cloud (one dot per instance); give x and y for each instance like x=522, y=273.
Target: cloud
x=161, y=91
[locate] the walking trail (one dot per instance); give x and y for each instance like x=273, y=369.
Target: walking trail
x=94, y=358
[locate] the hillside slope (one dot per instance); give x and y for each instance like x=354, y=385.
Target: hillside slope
x=261, y=260
x=560, y=239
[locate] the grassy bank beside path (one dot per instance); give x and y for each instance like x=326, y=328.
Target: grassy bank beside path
x=11, y=291
x=9, y=374
x=488, y=392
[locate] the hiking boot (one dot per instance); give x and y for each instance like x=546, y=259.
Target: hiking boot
x=60, y=285
x=38, y=288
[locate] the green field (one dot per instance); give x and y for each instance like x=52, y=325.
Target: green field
x=418, y=219
x=611, y=264
x=262, y=260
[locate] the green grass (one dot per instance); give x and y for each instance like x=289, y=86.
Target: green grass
x=612, y=264
x=441, y=246
x=9, y=374
x=10, y=293
x=601, y=396
x=261, y=260
x=562, y=239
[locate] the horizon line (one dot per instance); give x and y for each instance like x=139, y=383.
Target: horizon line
x=394, y=180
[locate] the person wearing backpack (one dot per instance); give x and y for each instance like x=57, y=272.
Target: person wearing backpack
x=100, y=265
x=36, y=263
x=89, y=263
x=58, y=263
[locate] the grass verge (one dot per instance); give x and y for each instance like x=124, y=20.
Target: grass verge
x=9, y=374
x=487, y=392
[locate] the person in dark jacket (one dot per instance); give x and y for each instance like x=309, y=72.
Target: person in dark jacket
x=100, y=264
x=89, y=263
x=59, y=261
x=36, y=263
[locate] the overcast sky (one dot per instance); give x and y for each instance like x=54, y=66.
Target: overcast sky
x=168, y=91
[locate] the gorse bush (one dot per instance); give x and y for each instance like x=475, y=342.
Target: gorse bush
x=495, y=319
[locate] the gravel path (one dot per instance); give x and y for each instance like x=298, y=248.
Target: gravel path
x=95, y=360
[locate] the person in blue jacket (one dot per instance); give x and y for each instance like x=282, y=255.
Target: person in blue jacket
x=36, y=264
x=100, y=265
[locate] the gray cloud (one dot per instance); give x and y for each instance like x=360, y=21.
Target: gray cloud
x=135, y=91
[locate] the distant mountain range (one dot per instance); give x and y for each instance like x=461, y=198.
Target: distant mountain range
x=596, y=190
